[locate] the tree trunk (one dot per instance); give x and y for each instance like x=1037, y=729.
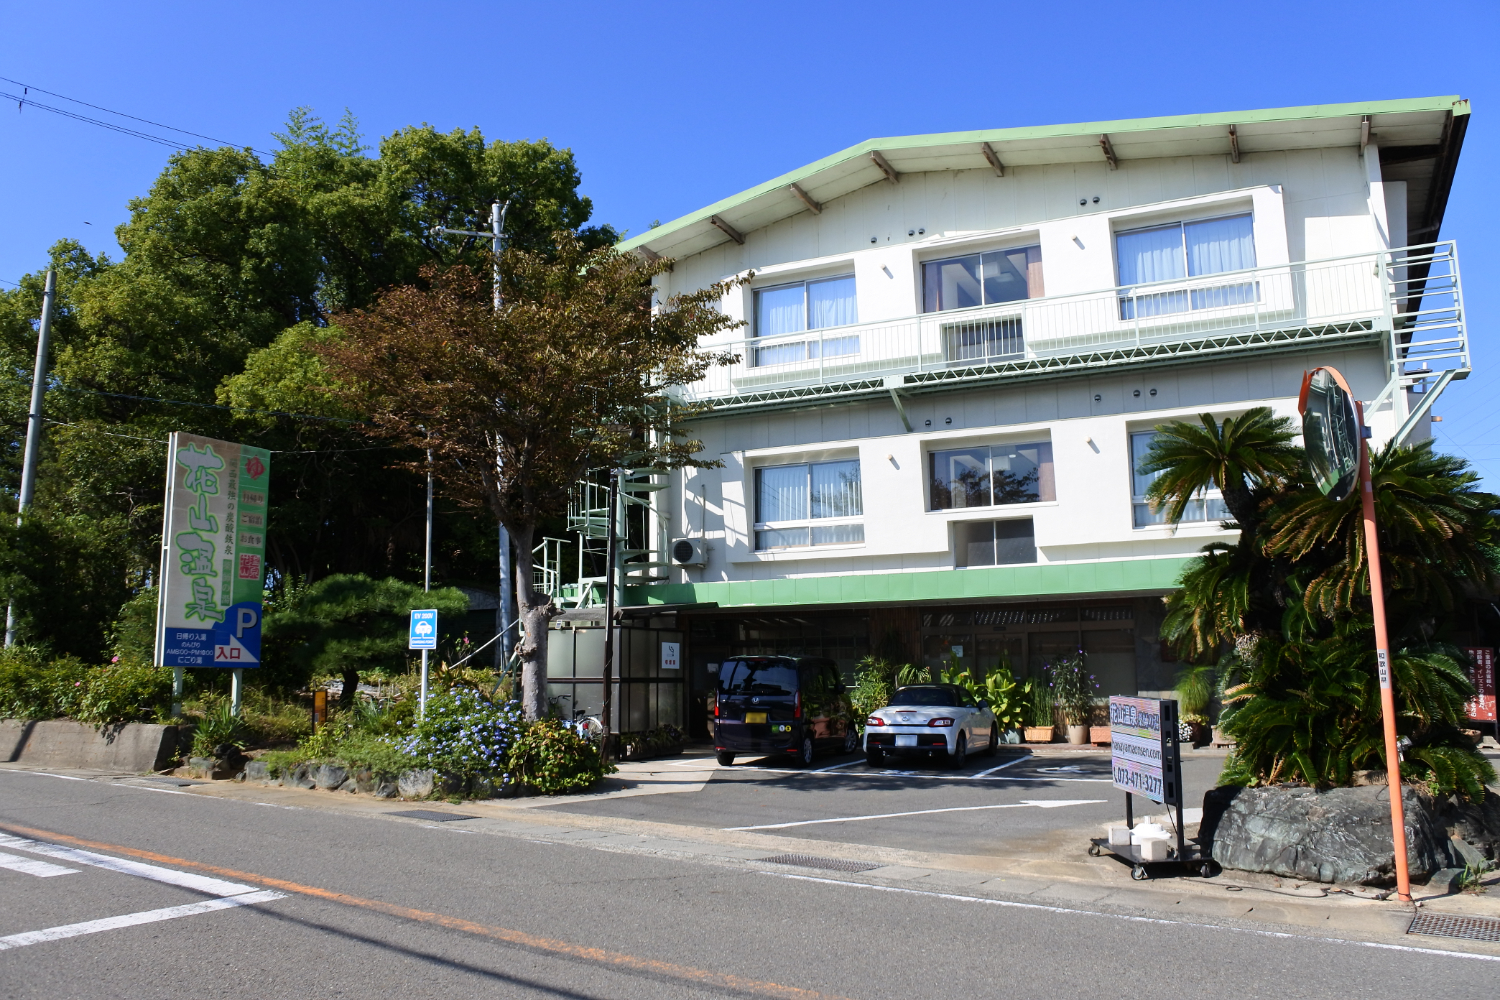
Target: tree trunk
x=351, y=686
x=535, y=612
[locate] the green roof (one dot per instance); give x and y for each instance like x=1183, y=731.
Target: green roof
x=1418, y=122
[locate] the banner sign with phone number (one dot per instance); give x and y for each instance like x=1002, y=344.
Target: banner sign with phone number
x=1143, y=747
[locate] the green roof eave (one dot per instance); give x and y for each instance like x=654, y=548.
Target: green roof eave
x=1449, y=103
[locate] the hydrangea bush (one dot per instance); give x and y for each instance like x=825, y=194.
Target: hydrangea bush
x=462, y=734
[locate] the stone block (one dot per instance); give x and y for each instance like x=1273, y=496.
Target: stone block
x=385, y=790
x=416, y=784
x=329, y=776
x=350, y=785
x=1332, y=835
x=299, y=776
x=258, y=770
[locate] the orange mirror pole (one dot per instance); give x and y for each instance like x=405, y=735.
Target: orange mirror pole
x=1383, y=659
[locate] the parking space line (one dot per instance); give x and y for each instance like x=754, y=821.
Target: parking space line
x=847, y=763
x=1033, y=803
x=41, y=869
x=1129, y=918
x=1002, y=767
x=201, y=883
x=134, y=919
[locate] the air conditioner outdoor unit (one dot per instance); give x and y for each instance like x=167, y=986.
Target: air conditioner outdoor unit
x=689, y=552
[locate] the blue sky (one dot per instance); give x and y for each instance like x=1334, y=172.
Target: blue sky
x=669, y=106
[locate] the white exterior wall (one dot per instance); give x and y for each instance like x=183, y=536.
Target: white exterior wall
x=1306, y=204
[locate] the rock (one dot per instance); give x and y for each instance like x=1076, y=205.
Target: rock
x=1449, y=880
x=1478, y=823
x=386, y=790
x=364, y=780
x=200, y=767
x=329, y=776
x=299, y=776
x=416, y=784
x=1336, y=835
x=449, y=784
x=492, y=786
x=258, y=770
x=1363, y=779
x=350, y=785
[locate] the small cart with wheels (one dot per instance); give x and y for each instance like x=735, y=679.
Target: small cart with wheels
x=1146, y=759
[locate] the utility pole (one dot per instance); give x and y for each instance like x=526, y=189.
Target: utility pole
x=496, y=236
x=33, y=426
x=426, y=581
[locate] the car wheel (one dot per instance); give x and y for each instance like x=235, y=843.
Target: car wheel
x=851, y=740
x=994, y=746
x=805, y=755
x=960, y=754
x=725, y=759
x=875, y=757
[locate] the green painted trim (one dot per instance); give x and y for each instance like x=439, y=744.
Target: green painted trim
x=1451, y=102
x=935, y=585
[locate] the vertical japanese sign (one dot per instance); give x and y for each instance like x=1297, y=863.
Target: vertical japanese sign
x=213, y=554
x=671, y=658
x=1144, y=754
x=1482, y=675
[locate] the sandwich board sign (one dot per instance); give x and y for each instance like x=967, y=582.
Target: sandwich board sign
x=1145, y=758
x=423, y=631
x=212, y=553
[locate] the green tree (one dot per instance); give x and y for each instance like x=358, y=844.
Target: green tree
x=348, y=623
x=518, y=405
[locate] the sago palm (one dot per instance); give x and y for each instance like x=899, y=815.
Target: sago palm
x=1244, y=457
x=1437, y=534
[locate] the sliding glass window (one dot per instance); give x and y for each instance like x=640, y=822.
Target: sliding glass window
x=1207, y=506
x=811, y=504
x=1179, y=252
x=992, y=475
x=798, y=308
x=982, y=279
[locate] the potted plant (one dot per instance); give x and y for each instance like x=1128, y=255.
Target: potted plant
x=1195, y=692
x=1039, y=706
x=1073, y=689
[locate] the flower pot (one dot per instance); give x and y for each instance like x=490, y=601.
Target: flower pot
x=1100, y=735
x=1078, y=735
x=1039, y=734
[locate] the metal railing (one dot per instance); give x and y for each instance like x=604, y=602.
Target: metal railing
x=1409, y=293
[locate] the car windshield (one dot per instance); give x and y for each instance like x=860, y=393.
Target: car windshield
x=758, y=677
x=925, y=696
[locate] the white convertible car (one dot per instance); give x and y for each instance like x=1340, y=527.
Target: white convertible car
x=938, y=720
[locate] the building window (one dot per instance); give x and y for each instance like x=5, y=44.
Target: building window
x=797, y=308
x=1180, y=251
x=992, y=476
x=812, y=504
x=994, y=543
x=1208, y=506
x=982, y=279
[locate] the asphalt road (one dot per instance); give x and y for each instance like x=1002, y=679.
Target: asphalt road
x=982, y=809
x=226, y=898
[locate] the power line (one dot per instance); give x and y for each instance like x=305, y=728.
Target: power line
x=24, y=99
x=211, y=406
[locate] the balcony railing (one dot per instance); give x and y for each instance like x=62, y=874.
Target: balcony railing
x=1361, y=297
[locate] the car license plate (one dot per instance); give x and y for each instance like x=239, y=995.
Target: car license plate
x=755, y=716
x=906, y=741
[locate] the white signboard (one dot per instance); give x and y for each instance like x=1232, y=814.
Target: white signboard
x=670, y=656
x=213, y=553
x=1137, y=747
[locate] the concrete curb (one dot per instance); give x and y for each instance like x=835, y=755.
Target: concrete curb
x=135, y=747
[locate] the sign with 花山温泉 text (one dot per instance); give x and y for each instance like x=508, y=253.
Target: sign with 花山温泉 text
x=212, y=554
x=1481, y=707
x=1144, y=756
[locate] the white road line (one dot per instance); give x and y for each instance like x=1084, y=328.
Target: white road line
x=1002, y=767
x=847, y=763
x=1012, y=904
x=41, y=869
x=132, y=919
x=201, y=883
x=1040, y=804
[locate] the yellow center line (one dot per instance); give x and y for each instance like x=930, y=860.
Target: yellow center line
x=599, y=955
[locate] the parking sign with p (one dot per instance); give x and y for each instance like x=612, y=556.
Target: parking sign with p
x=423, y=631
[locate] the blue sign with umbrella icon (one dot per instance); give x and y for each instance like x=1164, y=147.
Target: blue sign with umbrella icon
x=423, y=632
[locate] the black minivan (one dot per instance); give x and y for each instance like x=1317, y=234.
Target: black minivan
x=782, y=705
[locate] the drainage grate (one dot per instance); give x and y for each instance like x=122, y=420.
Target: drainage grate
x=1448, y=925
x=827, y=864
x=431, y=814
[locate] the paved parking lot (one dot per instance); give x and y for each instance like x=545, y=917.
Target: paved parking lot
x=1018, y=802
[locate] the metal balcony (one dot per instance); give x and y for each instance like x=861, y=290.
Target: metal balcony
x=1408, y=298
